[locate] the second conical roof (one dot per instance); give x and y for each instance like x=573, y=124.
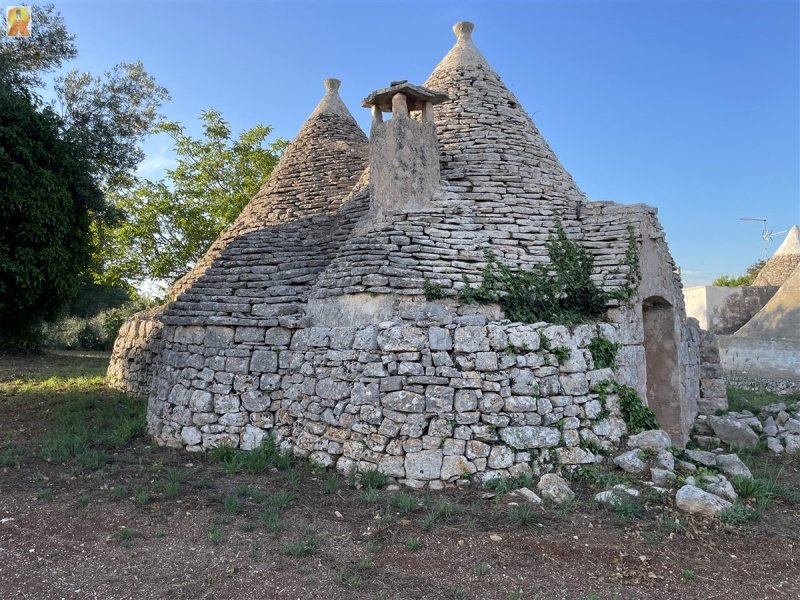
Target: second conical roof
x=487, y=141
x=316, y=173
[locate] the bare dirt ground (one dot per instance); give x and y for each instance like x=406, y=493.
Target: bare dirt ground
x=127, y=519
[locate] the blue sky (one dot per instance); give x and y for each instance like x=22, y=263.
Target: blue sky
x=692, y=107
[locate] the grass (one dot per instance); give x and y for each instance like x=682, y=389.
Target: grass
x=739, y=513
x=45, y=495
x=439, y=510
x=330, y=484
x=522, y=515
x=348, y=578
x=504, y=485
x=271, y=519
x=256, y=461
x=280, y=499
x=89, y=425
x=306, y=545
x=125, y=536
x=598, y=477
x=688, y=574
x=373, y=480
x=625, y=508
x=412, y=544
x=10, y=457
x=404, y=502
x=215, y=533
x=740, y=399
x=232, y=505
x=482, y=568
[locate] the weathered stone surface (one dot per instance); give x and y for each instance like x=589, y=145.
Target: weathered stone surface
x=555, y=489
x=404, y=401
x=703, y=457
x=631, y=462
x=693, y=500
x=424, y=465
x=732, y=465
x=732, y=432
x=529, y=495
x=455, y=467
x=402, y=338
x=655, y=439
x=526, y=437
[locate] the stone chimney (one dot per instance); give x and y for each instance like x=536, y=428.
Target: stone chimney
x=404, y=153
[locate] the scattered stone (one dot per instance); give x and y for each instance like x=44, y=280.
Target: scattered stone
x=703, y=457
x=529, y=495
x=630, y=462
x=554, y=488
x=654, y=439
x=661, y=477
x=666, y=460
x=732, y=432
x=732, y=465
x=774, y=445
x=693, y=500
x=720, y=486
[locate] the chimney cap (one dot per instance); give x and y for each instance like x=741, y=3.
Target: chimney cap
x=416, y=96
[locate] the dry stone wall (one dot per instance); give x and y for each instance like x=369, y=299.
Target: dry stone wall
x=136, y=352
x=432, y=398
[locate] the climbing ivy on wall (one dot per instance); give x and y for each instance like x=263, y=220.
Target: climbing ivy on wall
x=559, y=292
x=636, y=415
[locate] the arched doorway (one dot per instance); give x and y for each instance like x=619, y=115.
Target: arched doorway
x=661, y=358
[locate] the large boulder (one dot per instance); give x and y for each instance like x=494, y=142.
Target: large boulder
x=554, y=488
x=693, y=500
x=733, y=432
x=654, y=439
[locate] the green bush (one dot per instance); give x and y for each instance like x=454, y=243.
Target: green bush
x=89, y=333
x=561, y=291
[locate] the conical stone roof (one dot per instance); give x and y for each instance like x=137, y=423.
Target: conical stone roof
x=317, y=171
x=780, y=317
x=504, y=191
x=490, y=148
x=783, y=262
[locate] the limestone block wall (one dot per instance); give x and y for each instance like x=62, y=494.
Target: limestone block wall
x=429, y=397
x=136, y=352
x=713, y=393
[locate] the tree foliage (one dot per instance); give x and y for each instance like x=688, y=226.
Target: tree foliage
x=24, y=60
x=746, y=278
x=108, y=116
x=47, y=195
x=169, y=224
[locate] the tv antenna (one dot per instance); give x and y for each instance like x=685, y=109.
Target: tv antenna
x=766, y=234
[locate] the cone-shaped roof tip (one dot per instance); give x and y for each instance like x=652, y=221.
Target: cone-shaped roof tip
x=331, y=103
x=791, y=243
x=465, y=52
x=464, y=29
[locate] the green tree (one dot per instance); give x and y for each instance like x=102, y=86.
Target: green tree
x=47, y=196
x=23, y=61
x=747, y=278
x=169, y=224
x=109, y=116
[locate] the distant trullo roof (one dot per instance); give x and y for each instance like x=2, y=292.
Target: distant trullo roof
x=780, y=317
x=783, y=262
x=317, y=171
